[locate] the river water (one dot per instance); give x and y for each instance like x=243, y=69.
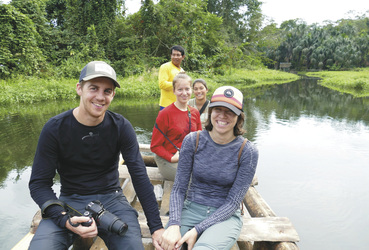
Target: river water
x=313, y=166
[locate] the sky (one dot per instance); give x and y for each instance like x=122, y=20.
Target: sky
x=313, y=11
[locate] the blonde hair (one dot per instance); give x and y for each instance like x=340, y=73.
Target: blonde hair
x=181, y=75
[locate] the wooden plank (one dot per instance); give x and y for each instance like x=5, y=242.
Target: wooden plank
x=164, y=209
x=256, y=205
x=152, y=172
x=35, y=221
x=235, y=247
x=245, y=245
x=285, y=65
x=264, y=227
x=147, y=243
x=83, y=243
x=149, y=160
x=128, y=190
x=285, y=246
x=24, y=242
x=145, y=232
x=99, y=244
x=268, y=229
x=254, y=229
x=144, y=148
x=275, y=245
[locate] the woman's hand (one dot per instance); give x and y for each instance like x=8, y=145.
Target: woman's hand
x=175, y=157
x=170, y=238
x=190, y=238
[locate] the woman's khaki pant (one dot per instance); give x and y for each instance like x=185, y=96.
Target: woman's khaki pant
x=167, y=169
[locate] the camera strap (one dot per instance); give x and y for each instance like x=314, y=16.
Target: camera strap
x=70, y=210
x=166, y=137
x=189, y=128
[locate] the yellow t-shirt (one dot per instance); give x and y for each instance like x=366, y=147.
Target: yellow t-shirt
x=167, y=72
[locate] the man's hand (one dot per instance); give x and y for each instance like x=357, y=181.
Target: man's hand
x=156, y=236
x=84, y=232
x=175, y=157
x=170, y=238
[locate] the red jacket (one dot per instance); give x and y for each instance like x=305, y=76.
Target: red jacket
x=174, y=124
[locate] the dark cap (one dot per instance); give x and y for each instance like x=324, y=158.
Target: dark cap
x=98, y=69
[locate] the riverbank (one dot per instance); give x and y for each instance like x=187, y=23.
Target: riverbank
x=32, y=89
x=355, y=82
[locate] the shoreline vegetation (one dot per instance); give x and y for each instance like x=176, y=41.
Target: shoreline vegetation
x=354, y=82
x=31, y=90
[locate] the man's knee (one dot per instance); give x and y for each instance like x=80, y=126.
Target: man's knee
x=50, y=236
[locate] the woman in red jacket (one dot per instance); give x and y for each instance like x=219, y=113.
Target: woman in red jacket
x=172, y=124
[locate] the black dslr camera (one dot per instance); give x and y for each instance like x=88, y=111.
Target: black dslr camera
x=104, y=218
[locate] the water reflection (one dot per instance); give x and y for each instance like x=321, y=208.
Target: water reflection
x=312, y=168
x=20, y=127
x=290, y=101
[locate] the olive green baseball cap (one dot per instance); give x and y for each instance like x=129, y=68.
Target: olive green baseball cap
x=96, y=69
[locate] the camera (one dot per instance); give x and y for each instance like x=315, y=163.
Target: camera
x=104, y=218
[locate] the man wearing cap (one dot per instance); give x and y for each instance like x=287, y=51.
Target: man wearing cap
x=83, y=145
x=167, y=72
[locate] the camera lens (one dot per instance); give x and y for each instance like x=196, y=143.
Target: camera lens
x=112, y=223
x=105, y=219
x=119, y=227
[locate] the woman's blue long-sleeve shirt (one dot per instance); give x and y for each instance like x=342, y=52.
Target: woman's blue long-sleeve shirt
x=216, y=179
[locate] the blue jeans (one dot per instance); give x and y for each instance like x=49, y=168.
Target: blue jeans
x=50, y=236
x=222, y=235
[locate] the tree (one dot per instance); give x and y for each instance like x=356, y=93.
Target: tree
x=100, y=13
x=56, y=12
x=19, y=51
x=269, y=40
x=36, y=11
x=147, y=35
x=242, y=19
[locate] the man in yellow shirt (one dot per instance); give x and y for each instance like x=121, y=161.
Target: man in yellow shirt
x=167, y=72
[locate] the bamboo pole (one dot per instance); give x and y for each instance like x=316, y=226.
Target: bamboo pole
x=258, y=207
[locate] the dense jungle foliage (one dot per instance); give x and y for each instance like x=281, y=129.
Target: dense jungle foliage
x=55, y=38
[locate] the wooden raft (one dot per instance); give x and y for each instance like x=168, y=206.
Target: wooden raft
x=261, y=229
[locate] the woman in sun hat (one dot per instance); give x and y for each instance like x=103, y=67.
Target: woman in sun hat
x=215, y=169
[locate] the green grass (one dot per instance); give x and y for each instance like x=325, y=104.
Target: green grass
x=354, y=82
x=28, y=90
x=33, y=89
